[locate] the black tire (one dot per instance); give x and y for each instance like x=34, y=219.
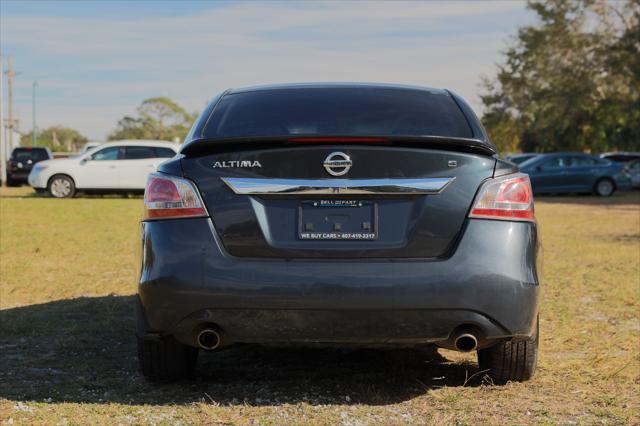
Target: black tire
x=11, y=182
x=604, y=187
x=166, y=359
x=61, y=186
x=510, y=361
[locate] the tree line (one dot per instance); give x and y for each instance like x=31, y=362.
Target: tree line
x=157, y=118
x=569, y=82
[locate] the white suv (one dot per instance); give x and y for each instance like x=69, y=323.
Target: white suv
x=120, y=166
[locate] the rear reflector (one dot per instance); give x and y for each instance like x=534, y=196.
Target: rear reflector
x=170, y=197
x=508, y=198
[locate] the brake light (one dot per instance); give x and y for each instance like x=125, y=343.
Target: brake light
x=508, y=198
x=336, y=139
x=170, y=197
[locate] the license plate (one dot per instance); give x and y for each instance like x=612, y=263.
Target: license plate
x=338, y=220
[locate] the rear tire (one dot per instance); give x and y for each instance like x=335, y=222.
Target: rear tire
x=61, y=186
x=604, y=187
x=11, y=182
x=166, y=359
x=510, y=361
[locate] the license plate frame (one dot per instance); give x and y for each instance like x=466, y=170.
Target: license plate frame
x=338, y=220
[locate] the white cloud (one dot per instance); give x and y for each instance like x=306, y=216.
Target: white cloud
x=94, y=70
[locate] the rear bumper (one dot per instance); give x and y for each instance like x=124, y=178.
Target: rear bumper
x=490, y=283
x=20, y=176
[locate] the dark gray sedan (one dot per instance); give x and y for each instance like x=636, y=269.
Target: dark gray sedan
x=338, y=214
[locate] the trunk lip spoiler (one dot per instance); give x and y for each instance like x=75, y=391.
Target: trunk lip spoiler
x=443, y=142
x=278, y=186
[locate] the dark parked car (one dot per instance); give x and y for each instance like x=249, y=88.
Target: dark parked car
x=22, y=161
x=520, y=158
x=368, y=215
x=621, y=157
x=574, y=172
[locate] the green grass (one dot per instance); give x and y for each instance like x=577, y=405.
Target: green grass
x=67, y=353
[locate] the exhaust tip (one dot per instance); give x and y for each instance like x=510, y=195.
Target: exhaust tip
x=466, y=342
x=208, y=339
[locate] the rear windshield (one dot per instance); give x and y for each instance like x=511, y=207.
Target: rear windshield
x=337, y=112
x=23, y=154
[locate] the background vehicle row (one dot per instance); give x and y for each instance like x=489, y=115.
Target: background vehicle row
x=574, y=173
x=121, y=166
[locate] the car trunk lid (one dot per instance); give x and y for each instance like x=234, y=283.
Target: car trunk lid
x=287, y=202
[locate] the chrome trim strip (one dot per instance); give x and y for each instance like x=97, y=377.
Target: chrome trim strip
x=265, y=186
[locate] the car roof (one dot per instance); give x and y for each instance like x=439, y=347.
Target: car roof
x=629, y=153
x=140, y=142
x=30, y=148
x=544, y=156
x=554, y=154
x=335, y=85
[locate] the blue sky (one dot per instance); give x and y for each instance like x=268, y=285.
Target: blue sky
x=95, y=61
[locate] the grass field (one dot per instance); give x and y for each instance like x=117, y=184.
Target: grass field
x=67, y=352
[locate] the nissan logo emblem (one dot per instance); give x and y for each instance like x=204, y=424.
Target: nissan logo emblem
x=337, y=164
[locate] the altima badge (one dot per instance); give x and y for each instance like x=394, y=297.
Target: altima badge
x=337, y=164
x=245, y=164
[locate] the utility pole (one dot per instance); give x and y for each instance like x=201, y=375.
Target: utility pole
x=3, y=146
x=34, y=129
x=10, y=75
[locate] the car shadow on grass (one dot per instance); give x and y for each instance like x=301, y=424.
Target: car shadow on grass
x=83, y=350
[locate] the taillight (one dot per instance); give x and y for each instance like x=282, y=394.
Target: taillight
x=170, y=197
x=508, y=198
